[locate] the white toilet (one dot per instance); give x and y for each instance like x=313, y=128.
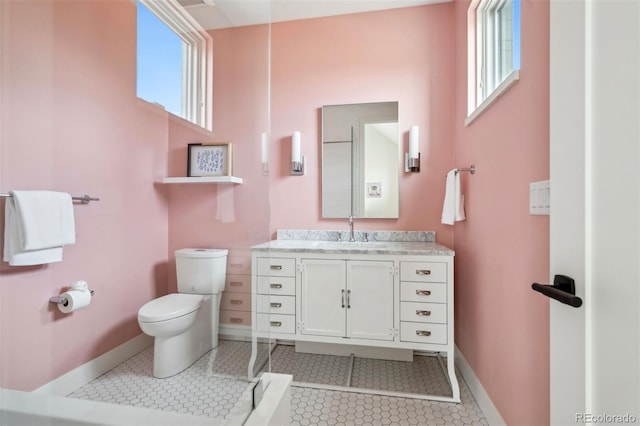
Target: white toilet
x=185, y=324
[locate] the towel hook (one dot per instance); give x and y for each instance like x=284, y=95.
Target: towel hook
x=471, y=169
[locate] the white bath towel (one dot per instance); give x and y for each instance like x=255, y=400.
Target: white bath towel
x=453, y=208
x=37, y=225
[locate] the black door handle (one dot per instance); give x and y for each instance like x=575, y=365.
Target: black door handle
x=563, y=290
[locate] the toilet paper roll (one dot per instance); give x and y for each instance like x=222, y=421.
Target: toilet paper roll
x=74, y=300
x=80, y=285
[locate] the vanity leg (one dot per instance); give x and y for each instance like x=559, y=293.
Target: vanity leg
x=451, y=368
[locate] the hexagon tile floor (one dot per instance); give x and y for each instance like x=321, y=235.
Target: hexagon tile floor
x=212, y=385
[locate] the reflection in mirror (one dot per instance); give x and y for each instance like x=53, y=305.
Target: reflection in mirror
x=360, y=160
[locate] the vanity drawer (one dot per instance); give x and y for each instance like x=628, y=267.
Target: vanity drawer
x=423, y=312
x=423, y=292
x=238, y=284
x=425, y=272
x=239, y=265
x=276, y=266
x=271, y=304
x=276, y=323
x=277, y=285
x=235, y=317
x=236, y=301
x=423, y=332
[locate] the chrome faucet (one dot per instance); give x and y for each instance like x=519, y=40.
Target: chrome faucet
x=352, y=236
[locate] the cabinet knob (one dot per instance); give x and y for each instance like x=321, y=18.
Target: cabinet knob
x=423, y=271
x=235, y=283
x=423, y=313
x=423, y=292
x=423, y=333
x=275, y=285
x=276, y=323
x=276, y=267
x=235, y=302
x=236, y=320
x=276, y=305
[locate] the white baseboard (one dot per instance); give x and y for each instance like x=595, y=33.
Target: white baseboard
x=489, y=410
x=234, y=332
x=80, y=376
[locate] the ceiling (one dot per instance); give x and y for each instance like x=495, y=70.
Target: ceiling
x=214, y=14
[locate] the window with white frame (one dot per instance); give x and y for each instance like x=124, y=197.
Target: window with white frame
x=174, y=57
x=493, y=51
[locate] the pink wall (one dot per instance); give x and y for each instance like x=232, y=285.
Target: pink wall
x=403, y=55
x=74, y=103
x=418, y=57
x=70, y=121
x=226, y=216
x=502, y=326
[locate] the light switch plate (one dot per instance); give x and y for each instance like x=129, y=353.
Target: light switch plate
x=539, y=198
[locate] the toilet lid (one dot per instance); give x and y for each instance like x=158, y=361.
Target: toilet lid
x=170, y=306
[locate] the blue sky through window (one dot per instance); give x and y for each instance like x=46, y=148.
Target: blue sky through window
x=516, y=34
x=159, y=59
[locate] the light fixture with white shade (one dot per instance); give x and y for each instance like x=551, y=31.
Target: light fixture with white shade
x=297, y=160
x=412, y=158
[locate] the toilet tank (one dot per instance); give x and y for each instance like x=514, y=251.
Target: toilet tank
x=201, y=271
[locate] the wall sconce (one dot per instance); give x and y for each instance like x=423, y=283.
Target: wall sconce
x=412, y=158
x=297, y=160
x=264, y=152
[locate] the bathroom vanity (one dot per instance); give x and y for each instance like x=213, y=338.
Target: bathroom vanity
x=394, y=291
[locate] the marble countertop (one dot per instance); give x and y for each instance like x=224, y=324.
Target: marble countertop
x=422, y=248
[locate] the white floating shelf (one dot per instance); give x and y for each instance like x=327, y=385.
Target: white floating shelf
x=205, y=179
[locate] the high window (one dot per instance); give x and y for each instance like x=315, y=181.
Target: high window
x=174, y=61
x=493, y=51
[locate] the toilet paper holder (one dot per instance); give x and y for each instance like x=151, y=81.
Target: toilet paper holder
x=63, y=300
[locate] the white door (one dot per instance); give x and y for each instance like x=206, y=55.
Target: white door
x=370, y=300
x=595, y=210
x=323, y=299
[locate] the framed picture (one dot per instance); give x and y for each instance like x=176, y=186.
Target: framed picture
x=209, y=159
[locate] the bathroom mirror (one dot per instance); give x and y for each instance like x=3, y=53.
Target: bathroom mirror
x=360, y=151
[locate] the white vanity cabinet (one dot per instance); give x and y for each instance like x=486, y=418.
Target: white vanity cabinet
x=388, y=295
x=346, y=298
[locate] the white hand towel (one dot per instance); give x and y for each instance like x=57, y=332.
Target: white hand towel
x=37, y=225
x=453, y=208
x=225, y=211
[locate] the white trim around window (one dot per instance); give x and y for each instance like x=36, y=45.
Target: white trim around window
x=197, y=60
x=490, y=46
x=511, y=79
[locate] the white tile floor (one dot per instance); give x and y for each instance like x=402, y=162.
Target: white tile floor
x=214, y=383
x=325, y=407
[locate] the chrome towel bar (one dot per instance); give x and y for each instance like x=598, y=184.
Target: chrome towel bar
x=85, y=199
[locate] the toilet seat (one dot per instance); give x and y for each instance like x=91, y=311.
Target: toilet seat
x=169, y=307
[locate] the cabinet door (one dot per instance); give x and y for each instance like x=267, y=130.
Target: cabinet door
x=370, y=300
x=323, y=298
